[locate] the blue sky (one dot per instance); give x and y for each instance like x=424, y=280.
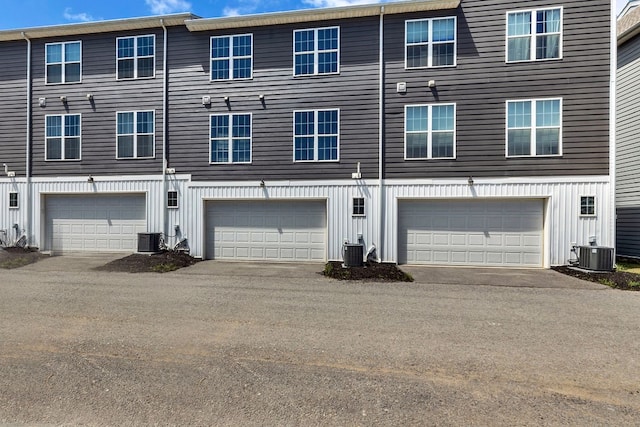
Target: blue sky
x=34, y=13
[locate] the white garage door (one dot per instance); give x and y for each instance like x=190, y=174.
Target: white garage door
x=100, y=223
x=478, y=232
x=266, y=230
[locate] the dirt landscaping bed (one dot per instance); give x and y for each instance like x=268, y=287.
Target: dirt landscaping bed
x=616, y=279
x=162, y=262
x=386, y=272
x=15, y=257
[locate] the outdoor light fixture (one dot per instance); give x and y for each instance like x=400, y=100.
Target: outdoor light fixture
x=89, y=96
x=470, y=181
x=63, y=99
x=262, y=184
x=226, y=99
x=261, y=97
x=90, y=179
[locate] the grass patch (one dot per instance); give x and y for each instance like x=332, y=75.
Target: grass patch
x=164, y=267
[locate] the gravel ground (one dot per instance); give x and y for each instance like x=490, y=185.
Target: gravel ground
x=205, y=347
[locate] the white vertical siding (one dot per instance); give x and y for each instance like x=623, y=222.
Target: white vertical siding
x=564, y=223
x=338, y=195
x=9, y=217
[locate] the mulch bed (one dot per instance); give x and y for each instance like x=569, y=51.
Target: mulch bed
x=15, y=257
x=153, y=263
x=385, y=272
x=614, y=279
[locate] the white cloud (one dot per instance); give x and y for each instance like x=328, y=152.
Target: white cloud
x=230, y=11
x=242, y=7
x=77, y=17
x=338, y=3
x=162, y=7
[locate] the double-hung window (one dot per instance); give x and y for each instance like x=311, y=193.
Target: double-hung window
x=316, y=51
x=534, y=127
x=13, y=200
x=63, y=62
x=534, y=35
x=136, y=57
x=587, y=206
x=62, y=140
x=135, y=135
x=230, y=140
x=430, y=42
x=430, y=131
x=232, y=57
x=315, y=135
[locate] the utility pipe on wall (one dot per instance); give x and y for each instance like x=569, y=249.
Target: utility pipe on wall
x=165, y=109
x=28, y=220
x=381, y=138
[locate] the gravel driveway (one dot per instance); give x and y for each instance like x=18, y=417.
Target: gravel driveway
x=242, y=344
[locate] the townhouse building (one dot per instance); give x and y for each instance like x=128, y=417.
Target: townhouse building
x=458, y=132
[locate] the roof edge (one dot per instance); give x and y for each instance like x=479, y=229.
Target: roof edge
x=311, y=15
x=97, y=27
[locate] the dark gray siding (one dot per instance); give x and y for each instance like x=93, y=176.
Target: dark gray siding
x=13, y=106
x=98, y=116
x=354, y=91
x=627, y=149
x=482, y=82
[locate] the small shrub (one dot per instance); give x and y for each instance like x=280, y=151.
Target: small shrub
x=164, y=268
x=607, y=282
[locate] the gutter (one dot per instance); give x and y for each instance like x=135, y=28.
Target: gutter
x=165, y=110
x=29, y=208
x=381, y=136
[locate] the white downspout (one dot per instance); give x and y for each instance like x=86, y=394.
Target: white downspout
x=381, y=138
x=29, y=208
x=612, y=122
x=165, y=111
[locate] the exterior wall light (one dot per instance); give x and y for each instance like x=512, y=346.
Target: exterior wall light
x=470, y=181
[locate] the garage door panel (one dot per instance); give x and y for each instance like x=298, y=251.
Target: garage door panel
x=271, y=230
x=87, y=223
x=479, y=232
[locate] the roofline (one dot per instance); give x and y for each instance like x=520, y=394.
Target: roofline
x=311, y=15
x=628, y=33
x=127, y=24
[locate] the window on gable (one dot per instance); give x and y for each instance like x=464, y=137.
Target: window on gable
x=232, y=57
x=534, y=127
x=13, y=200
x=430, y=131
x=430, y=43
x=62, y=137
x=135, y=135
x=358, y=206
x=135, y=57
x=172, y=199
x=63, y=62
x=587, y=206
x=534, y=35
x=316, y=51
x=316, y=135
x=230, y=140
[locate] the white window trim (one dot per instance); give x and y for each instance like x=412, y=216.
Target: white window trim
x=364, y=207
x=430, y=132
x=17, y=206
x=595, y=206
x=63, y=138
x=533, y=48
x=135, y=57
x=177, y=200
x=230, y=139
x=430, y=43
x=229, y=58
x=135, y=135
x=316, y=52
x=63, y=63
x=315, y=136
x=532, y=128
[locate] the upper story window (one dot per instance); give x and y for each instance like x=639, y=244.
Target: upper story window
x=136, y=57
x=64, y=61
x=587, y=206
x=135, y=135
x=230, y=138
x=62, y=137
x=430, y=131
x=430, y=42
x=534, y=127
x=316, y=135
x=534, y=35
x=316, y=51
x=232, y=57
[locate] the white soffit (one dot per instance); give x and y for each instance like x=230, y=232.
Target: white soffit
x=97, y=27
x=310, y=15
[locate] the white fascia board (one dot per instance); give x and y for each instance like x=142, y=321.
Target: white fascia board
x=322, y=14
x=97, y=27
